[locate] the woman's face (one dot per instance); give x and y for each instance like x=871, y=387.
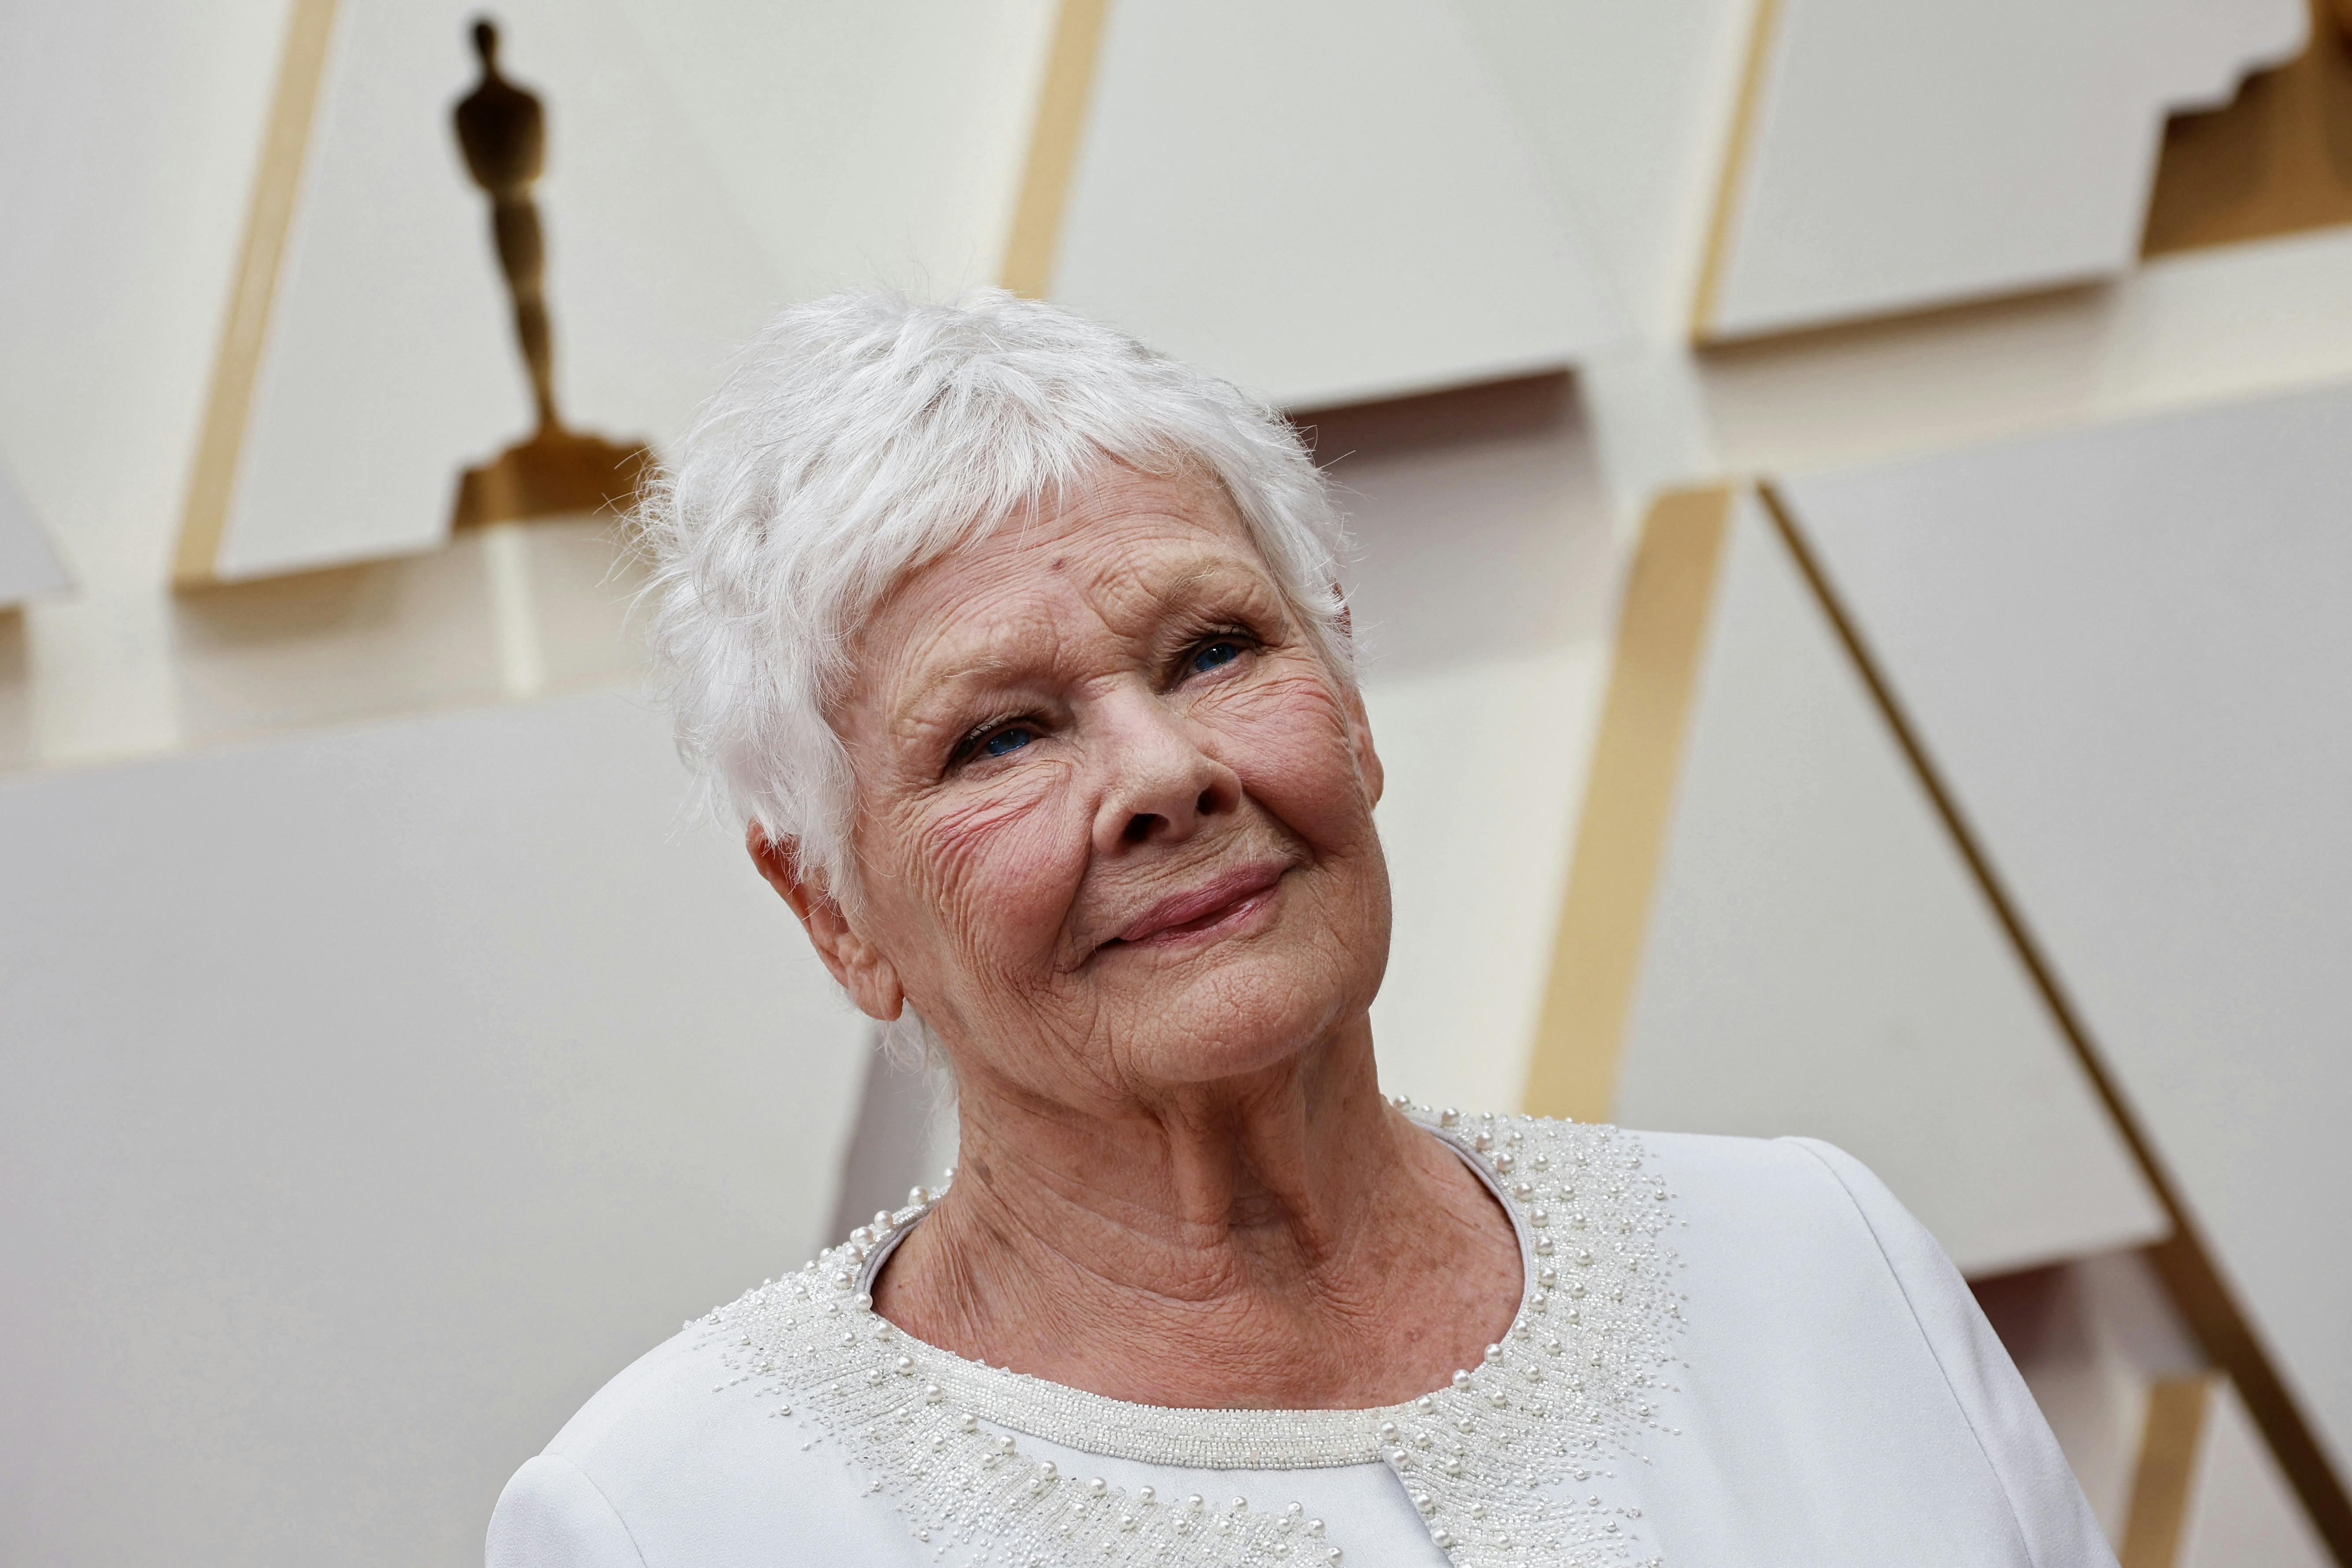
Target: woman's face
x=1115, y=815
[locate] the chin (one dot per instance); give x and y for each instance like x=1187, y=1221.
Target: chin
x=1233, y=1023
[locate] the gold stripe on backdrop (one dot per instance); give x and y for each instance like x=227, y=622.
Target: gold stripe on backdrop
x=2177, y=1410
x=2185, y=1261
x=253, y=290
x=1054, y=147
x=1763, y=31
x=1622, y=837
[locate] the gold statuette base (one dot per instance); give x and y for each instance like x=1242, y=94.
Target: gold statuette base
x=554, y=473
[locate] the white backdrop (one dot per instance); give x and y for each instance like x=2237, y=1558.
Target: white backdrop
x=371, y=1098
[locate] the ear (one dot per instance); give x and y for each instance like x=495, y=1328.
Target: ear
x=869, y=978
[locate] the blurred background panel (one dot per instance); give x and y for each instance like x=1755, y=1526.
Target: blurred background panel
x=1326, y=202
x=28, y=566
x=2125, y=652
x=1891, y=157
x=1850, y=503
x=1820, y=956
x=353, y=1074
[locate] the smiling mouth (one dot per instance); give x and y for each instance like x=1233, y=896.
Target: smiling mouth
x=1205, y=911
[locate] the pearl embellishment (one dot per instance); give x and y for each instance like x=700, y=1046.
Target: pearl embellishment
x=936, y=1433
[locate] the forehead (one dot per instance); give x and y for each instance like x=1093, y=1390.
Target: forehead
x=1122, y=546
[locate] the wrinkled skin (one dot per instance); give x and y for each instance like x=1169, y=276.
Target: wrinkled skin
x=1114, y=833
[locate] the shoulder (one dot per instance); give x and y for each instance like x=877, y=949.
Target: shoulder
x=1822, y=1318
x=1794, y=1216
x=1784, y=1185
x=680, y=1459
x=1806, y=1201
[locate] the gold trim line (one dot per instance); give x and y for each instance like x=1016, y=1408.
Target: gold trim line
x=1621, y=837
x=253, y=291
x=2161, y=1485
x=1763, y=31
x=1054, y=146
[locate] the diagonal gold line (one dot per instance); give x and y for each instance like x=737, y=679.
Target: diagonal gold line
x=2184, y=1261
x=1054, y=147
x=1722, y=223
x=1622, y=832
x=253, y=290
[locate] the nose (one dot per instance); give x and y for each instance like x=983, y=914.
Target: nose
x=1162, y=786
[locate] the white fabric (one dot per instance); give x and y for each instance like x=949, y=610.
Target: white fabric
x=1842, y=1405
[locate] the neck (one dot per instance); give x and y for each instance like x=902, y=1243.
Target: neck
x=1287, y=1240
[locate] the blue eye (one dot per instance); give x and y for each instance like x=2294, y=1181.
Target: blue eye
x=1006, y=742
x=1224, y=650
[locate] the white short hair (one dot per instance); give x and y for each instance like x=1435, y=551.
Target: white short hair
x=860, y=436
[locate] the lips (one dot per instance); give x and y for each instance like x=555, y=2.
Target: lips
x=1225, y=900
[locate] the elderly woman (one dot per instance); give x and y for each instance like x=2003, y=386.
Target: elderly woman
x=1018, y=650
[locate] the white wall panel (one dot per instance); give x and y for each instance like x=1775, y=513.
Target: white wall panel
x=1820, y=961
x=1902, y=153
x=1323, y=201
x=27, y=565
x=2128, y=651
x=371, y=1098
x=1483, y=761
x=864, y=144
x=1628, y=108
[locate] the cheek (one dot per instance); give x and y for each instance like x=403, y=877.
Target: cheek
x=1287, y=737
x=995, y=866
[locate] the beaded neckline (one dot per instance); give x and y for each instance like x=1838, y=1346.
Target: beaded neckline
x=1573, y=1384
x=1210, y=1438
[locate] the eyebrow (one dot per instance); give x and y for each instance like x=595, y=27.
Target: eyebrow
x=1003, y=668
